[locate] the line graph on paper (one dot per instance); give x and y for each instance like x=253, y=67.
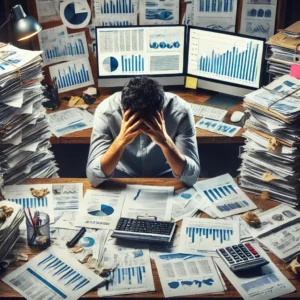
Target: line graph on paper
x=252, y=28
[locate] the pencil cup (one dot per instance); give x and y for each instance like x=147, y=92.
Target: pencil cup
x=38, y=234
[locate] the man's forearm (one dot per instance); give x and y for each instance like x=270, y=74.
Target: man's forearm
x=175, y=159
x=110, y=159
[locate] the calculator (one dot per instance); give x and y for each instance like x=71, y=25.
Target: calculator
x=241, y=257
x=144, y=230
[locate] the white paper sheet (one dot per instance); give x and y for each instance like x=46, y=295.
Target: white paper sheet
x=72, y=75
x=115, y=13
x=215, y=14
x=208, y=112
x=258, y=18
x=69, y=121
x=203, y=236
x=60, y=46
x=52, y=275
x=218, y=127
x=100, y=209
x=148, y=202
x=271, y=283
x=187, y=275
x=22, y=195
x=48, y=10
x=157, y=12
x=132, y=271
x=224, y=196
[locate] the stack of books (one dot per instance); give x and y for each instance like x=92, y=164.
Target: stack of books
x=24, y=130
x=271, y=160
x=283, y=51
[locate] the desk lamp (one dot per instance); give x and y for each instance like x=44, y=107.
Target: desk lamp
x=24, y=26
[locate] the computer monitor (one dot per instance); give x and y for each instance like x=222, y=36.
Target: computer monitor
x=226, y=58
x=124, y=52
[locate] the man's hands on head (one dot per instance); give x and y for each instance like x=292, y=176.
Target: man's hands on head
x=130, y=128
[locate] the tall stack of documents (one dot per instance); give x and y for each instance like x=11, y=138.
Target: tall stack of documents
x=283, y=51
x=24, y=131
x=271, y=161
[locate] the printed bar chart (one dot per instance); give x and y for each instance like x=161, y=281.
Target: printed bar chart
x=243, y=64
x=72, y=76
x=117, y=23
x=117, y=7
x=31, y=202
x=197, y=234
x=133, y=275
x=216, y=6
x=219, y=192
x=135, y=63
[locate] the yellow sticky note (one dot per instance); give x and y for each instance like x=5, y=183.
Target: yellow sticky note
x=191, y=82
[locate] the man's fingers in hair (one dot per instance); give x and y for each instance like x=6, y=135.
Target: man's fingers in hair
x=156, y=123
x=150, y=125
x=135, y=126
x=132, y=119
x=126, y=115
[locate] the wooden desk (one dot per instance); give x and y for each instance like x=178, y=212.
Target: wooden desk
x=199, y=97
x=7, y=292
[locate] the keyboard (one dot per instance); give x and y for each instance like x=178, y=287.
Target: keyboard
x=241, y=257
x=144, y=230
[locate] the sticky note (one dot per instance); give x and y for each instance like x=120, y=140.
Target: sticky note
x=295, y=71
x=191, y=82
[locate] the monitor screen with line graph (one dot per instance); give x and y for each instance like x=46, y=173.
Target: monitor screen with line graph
x=147, y=50
x=225, y=57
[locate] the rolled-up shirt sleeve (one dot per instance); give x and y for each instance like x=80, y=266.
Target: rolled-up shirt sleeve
x=101, y=140
x=186, y=143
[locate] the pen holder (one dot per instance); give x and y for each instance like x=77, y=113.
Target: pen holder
x=39, y=236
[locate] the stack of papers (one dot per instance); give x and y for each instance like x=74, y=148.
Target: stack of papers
x=271, y=157
x=9, y=229
x=25, y=133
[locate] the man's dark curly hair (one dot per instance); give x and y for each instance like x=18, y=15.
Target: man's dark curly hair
x=143, y=95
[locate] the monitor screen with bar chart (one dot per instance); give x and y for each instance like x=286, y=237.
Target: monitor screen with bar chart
x=225, y=57
x=134, y=51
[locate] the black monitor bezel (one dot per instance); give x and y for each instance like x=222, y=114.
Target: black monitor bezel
x=184, y=69
x=261, y=79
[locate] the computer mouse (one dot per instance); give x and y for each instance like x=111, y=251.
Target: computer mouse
x=237, y=116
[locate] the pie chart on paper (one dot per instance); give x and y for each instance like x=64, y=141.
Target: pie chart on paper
x=102, y=211
x=86, y=242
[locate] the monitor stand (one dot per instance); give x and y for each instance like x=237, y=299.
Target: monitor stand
x=224, y=100
x=227, y=95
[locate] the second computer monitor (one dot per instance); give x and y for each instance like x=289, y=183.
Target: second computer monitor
x=225, y=57
x=134, y=51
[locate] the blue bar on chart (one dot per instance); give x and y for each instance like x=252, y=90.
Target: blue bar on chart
x=117, y=23
x=117, y=7
x=76, y=48
x=72, y=76
x=132, y=275
x=216, y=6
x=208, y=233
x=31, y=202
x=220, y=192
x=232, y=63
x=54, y=267
x=232, y=206
x=135, y=63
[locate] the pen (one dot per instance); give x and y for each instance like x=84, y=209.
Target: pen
x=137, y=195
x=76, y=238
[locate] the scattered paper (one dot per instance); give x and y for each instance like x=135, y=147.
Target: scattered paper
x=204, y=236
x=153, y=202
x=208, y=112
x=100, y=209
x=52, y=274
x=69, y=121
x=183, y=275
x=48, y=10
x=224, y=196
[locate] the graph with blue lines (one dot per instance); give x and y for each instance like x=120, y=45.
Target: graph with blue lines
x=31, y=202
x=69, y=49
x=62, y=273
x=218, y=6
x=198, y=234
x=127, y=276
x=133, y=63
x=117, y=7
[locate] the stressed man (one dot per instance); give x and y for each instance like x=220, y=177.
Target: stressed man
x=143, y=132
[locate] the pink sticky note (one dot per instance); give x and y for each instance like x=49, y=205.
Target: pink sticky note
x=295, y=71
